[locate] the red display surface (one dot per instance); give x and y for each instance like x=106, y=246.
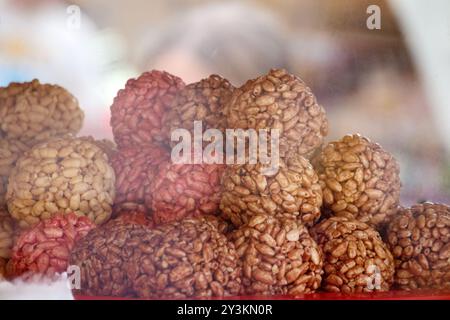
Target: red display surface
x=390, y=295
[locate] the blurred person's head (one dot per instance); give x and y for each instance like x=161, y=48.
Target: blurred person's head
x=236, y=41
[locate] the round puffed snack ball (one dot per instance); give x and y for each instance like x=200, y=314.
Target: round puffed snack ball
x=292, y=191
x=419, y=238
x=279, y=100
x=43, y=250
x=356, y=259
x=185, y=190
x=278, y=257
x=359, y=180
x=33, y=112
x=200, y=101
x=138, y=109
x=190, y=258
x=68, y=175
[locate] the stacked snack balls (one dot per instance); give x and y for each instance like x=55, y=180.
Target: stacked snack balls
x=278, y=257
x=188, y=258
x=44, y=249
x=359, y=180
x=356, y=258
x=419, y=238
x=279, y=100
x=33, y=112
x=64, y=174
x=30, y=113
x=291, y=191
x=138, y=109
x=163, y=241
x=185, y=190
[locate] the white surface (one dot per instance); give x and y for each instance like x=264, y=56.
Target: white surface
x=18, y=290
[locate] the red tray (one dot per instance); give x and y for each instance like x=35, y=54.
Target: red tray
x=390, y=295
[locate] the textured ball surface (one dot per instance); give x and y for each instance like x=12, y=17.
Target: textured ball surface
x=359, y=180
x=278, y=257
x=64, y=174
x=356, y=259
x=190, y=258
x=138, y=109
x=200, y=101
x=136, y=168
x=419, y=238
x=33, y=112
x=280, y=100
x=44, y=249
x=185, y=190
x=291, y=192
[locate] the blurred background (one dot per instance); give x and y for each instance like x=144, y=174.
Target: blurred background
x=389, y=83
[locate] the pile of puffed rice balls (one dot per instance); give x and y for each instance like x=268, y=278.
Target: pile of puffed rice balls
x=138, y=224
